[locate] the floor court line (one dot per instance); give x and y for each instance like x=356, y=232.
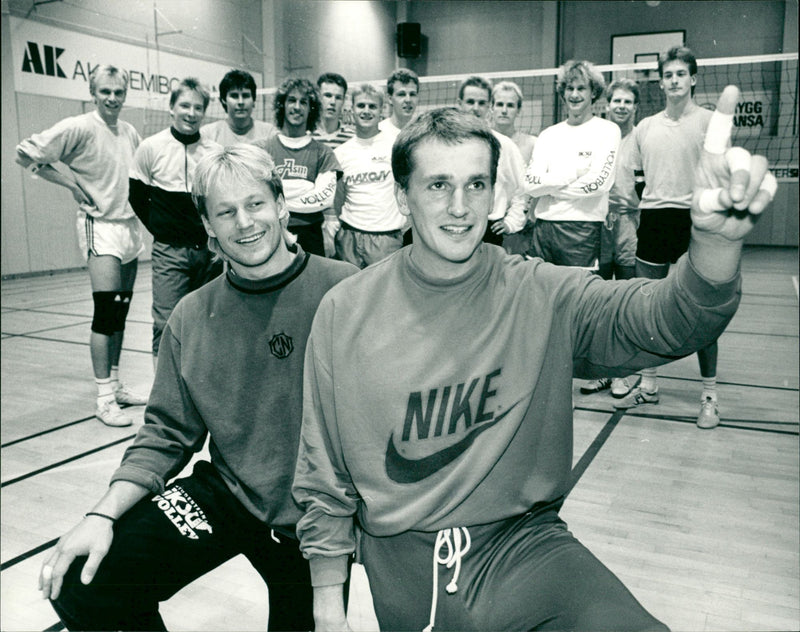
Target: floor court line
x=742, y=332
x=28, y=554
x=49, y=430
x=593, y=450
x=69, y=460
x=50, y=313
x=693, y=420
x=40, y=331
x=72, y=342
x=723, y=383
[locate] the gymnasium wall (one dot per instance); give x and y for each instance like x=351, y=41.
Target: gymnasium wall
x=276, y=38
x=713, y=29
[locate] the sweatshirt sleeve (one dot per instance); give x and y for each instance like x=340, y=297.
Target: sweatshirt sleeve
x=322, y=484
x=539, y=180
x=173, y=429
x=621, y=327
x=139, y=184
x=55, y=144
x=318, y=198
x=600, y=176
x=514, y=214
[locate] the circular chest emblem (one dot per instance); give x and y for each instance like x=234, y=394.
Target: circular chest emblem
x=281, y=345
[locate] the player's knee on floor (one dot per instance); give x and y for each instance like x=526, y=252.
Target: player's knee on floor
x=110, y=311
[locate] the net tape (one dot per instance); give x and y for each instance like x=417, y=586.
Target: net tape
x=766, y=121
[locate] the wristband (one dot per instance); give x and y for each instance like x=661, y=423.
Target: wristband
x=99, y=515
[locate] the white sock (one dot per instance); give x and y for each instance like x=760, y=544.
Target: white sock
x=709, y=388
x=648, y=382
x=105, y=390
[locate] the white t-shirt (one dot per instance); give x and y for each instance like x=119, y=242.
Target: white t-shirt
x=386, y=125
x=369, y=202
x=668, y=152
x=220, y=132
x=572, y=170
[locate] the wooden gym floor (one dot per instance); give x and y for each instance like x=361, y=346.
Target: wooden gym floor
x=702, y=526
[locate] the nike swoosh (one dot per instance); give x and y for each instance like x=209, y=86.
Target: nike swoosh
x=403, y=470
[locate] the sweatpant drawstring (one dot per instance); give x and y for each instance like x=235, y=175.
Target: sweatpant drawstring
x=449, y=541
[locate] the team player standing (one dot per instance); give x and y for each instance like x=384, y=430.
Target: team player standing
x=666, y=147
x=161, y=195
x=370, y=220
x=97, y=148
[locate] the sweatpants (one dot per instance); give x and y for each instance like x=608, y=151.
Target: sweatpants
x=176, y=271
x=524, y=573
x=167, y=541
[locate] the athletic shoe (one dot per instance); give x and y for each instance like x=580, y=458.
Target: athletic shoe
x=637, y=397
x=709, y=414
x=620, y=387
x=127, y=397
x=110, y=414
x=595, y=386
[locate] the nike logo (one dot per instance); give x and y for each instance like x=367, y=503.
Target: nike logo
x=404, y=471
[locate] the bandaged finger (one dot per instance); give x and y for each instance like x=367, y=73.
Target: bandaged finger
x=769, y=185
x=710, y=201
x=738, y=159
x=718, y=134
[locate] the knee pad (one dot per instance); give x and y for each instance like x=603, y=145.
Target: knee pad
x=110, y=309
x=122, y=309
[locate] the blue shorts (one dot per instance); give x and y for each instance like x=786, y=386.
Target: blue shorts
x=524, y=573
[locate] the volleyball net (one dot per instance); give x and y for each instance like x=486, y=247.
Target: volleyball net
x=766, y=119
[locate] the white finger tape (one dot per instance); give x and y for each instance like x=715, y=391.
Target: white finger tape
x=47, y=572
x=709, y=201
x=769, y=185
x=738, y=159
x=718, y=133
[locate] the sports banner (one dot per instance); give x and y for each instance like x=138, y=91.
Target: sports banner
x=56, y=62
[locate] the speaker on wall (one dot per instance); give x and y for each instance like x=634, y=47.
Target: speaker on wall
x=409, y=39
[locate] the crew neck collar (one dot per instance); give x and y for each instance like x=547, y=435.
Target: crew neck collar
x=274, y=282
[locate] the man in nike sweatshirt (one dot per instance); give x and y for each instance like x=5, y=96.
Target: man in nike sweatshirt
x=437, y=412
x=230, y=369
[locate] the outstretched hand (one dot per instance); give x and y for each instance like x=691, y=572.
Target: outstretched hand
x=92, y=538
x=732, y=187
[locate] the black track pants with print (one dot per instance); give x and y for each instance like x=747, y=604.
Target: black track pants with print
x=167, y=541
